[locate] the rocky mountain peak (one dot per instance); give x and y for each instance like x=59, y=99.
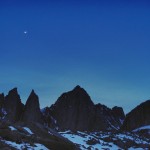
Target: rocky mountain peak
x=14, y=91
x=32, y=111
x=13, y=105
x=74, y=110
x=80, y=90
x=33, y=92
x=77, y=96
x=33, y=98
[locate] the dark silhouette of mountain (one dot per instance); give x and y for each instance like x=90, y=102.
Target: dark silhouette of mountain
x=74, y=110
x=32, y=111
x=13, y=106
x=118, y=113
x=139, y=116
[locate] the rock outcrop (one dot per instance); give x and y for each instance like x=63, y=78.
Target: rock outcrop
x=32, y=111
x=107, y=119
x=13, y=106
x=118, y=113
x=139, y=116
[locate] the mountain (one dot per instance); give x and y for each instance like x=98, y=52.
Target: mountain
x=74, y=110
x=138, y=117
x=32, y=112
x=73, y=117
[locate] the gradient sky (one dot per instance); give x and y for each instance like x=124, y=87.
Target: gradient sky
x=102, y=46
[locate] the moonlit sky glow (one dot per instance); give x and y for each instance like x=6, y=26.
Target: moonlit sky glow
x=103, y=46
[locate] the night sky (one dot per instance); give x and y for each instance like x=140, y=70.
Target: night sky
x=52, y=46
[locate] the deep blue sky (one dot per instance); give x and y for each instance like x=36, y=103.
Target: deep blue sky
x=102, y=46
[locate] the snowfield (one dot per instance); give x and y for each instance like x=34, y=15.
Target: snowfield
x=106, y=140
x=28, y=130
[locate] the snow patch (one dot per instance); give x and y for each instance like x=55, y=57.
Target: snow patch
x=28, y=130
x=12, y=128
x=83, y=138
x=105, y=140
x=27, y=146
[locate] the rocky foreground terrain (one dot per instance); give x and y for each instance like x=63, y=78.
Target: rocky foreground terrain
x=74, y=122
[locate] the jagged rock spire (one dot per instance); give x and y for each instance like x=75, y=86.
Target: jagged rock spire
x=13, y=105
x=32, y=111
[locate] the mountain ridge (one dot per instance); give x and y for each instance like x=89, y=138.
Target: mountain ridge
x=73, y=115
x=75, y=103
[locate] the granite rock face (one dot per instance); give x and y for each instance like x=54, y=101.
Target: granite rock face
x=74, y=110
x=32, y=111
x=13, y=106
x=139, y=116
x=119, y=114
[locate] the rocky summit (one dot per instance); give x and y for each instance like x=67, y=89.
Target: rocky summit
x=74, y=110
x=32, y=112
x=13, y=106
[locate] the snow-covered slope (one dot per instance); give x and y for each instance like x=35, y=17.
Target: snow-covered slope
x=32, y=136
x=107, y=140
x=21, y=146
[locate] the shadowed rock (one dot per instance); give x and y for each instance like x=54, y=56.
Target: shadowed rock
x=32, y=111
x=118, y=114
x=13, y=106
x=74, y=110
x=108, y=119
x=2, y=100
x=139, y=116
